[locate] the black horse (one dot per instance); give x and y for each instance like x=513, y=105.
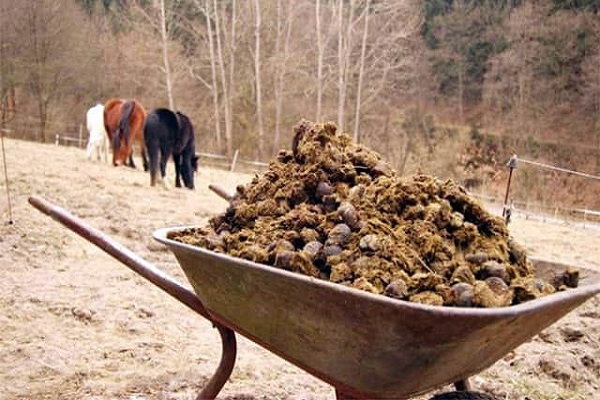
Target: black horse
x=171, y=134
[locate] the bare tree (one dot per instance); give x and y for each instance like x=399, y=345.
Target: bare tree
x=509, y=83
x=591, y=96
x=283, y=34
x=257, y=82
x=45, y=44
x=156, y=18
x=454, y=35
x=225, y=87
x=320, y=55
x=391, y=57
x=232, y=55
x=213, y=85
x=219, y=41
x=361, y=72
x=7, y=67
x=344, y=50
x=165, y=53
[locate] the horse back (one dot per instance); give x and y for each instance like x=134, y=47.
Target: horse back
x=186, y=133
x=95, y=119
x=113, y=111
x=161, y=124
x=112, y=115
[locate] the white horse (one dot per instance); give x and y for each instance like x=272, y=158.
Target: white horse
x=98, y=140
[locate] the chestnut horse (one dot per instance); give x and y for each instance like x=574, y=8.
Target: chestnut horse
x=124, y=123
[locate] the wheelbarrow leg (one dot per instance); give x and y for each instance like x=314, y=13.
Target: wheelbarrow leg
x=218, y=380
x=463, y=385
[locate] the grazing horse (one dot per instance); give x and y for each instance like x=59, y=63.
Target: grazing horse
x=124, y=123
x=98, y=141
x=171, y=134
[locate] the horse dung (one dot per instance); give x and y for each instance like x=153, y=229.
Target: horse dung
x=335, y=210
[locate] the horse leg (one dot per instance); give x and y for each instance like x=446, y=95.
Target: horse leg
x=144, y=159
x=115, y=144
x=98, y=149
x=165, y=151
x=186, y=167
x=104, y=149
x=190, y=154
x=152, y=148
x=130, y=158
x=177, y=162
x=89, y=150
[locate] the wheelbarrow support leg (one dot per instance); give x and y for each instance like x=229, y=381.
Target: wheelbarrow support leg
x=158, y=278
x=463, y=385
x=218, y=380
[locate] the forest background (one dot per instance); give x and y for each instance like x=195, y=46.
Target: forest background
x=446, y=87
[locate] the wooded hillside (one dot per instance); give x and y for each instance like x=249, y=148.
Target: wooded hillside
x=448, y=87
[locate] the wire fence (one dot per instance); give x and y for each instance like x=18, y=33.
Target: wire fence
x=78, y=141
x=545, y=211
x=536, y=211
x=234, y=164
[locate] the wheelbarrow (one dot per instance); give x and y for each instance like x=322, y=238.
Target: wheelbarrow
x=366, y=346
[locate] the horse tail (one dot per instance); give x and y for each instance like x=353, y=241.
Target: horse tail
x=186, y=149
x=186, y=133
x=124, y=121
x=150, y=132
x=116, y=140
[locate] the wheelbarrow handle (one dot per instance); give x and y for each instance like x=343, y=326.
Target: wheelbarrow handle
x=158, y=278
x=221, y=192
x=123, y=254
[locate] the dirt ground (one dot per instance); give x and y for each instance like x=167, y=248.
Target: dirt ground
x=77, y=324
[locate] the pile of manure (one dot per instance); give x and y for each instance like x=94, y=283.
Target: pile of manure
x=335, y=210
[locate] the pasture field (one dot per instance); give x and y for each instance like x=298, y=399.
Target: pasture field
x=76, y=324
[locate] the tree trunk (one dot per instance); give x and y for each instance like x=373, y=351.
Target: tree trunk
x=361, y=74
x=226, y=98
x=278, y=80
x=43, y=118
x=259, y=116
x=7, y=84
x=281, y=67
x=344, y=47
x=460, y=89
x=597, y=108
x=230, y=80
x=165, y=51
x=320, y=56
x=340, y=111
x=215, y=82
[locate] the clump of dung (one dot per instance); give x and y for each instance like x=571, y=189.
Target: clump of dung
x=335, y=210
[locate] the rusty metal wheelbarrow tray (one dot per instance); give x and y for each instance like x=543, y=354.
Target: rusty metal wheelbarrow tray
x=366, y=345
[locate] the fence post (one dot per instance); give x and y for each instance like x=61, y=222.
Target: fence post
x=57, y=138
x=80, y=136
x=234, y=161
